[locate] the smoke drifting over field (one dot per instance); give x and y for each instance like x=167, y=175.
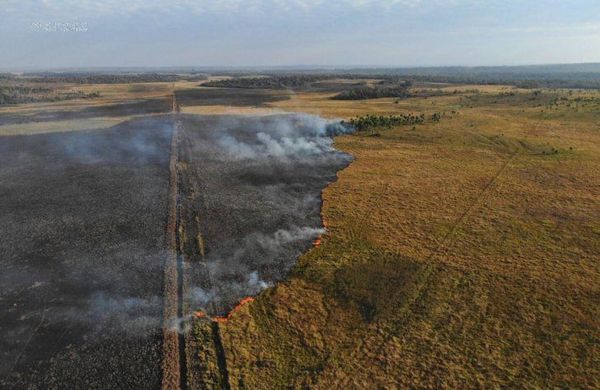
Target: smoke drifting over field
x=133, y=315
x=298, y=136
x=82, y=223
x=255, y=183
x=234, y=273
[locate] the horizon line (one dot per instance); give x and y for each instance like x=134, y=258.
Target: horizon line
x=268, y=67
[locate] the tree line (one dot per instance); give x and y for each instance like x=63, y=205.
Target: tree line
x=101, y=78
x=370, y=122
x=267, y=82
x=375, y=92
x=18, y=94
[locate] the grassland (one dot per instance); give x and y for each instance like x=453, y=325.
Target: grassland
x=463, y=253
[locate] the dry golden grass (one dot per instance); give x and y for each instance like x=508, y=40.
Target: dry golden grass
x=460, y=254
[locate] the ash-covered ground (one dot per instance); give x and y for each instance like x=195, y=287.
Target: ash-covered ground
x=251, y=190
x=82, y=223
x=83, y=226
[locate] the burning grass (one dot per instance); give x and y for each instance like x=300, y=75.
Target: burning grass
x=223, y=319
x=250, y=193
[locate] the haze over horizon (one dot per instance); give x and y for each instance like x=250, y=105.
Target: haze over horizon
x=396, y=33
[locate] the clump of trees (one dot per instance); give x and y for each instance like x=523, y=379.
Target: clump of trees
x=372, y=122
x=379, y=91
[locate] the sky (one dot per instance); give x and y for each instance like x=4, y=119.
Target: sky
x=402, y=33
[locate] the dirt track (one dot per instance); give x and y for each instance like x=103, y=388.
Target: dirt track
x=171, y=362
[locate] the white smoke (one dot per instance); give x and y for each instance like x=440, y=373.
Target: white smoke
x=286, y=137
x=255, y=282
x=237, y=277
x=180, y=325
x=132, y=315
x=236, y=149
x=281, y=237
x=267, y=145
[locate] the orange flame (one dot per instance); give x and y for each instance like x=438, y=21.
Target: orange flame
x=226, y=318
x=317, y=241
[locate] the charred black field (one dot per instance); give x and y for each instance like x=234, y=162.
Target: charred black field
x=251, y=199
x=82, y=256
x=85, y=237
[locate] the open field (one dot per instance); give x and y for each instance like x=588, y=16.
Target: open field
x=120, y=102
x=462, y=252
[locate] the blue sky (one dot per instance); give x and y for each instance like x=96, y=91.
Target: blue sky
x=297, y=32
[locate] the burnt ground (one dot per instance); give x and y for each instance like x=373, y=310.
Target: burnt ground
x=251, y=189
x=82, y=222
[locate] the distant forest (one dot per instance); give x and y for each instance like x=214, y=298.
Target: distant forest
x=584, y=76
x=400, y=90
x=17, y=94
x=100, y=78
x=370, y=122
x=295, y=81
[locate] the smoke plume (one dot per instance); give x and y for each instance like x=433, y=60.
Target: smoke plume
x=260, y=180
